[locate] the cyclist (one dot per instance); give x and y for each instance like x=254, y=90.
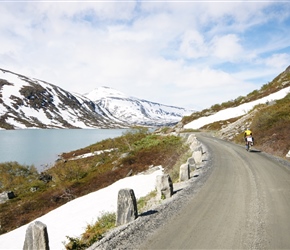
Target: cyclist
x=248, y=133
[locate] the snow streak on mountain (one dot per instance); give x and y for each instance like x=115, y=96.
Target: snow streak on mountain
x=31, y=103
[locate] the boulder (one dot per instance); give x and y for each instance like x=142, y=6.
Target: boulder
x=36, y=237
x=164, y=186
x=126, y=207
x=184, y=173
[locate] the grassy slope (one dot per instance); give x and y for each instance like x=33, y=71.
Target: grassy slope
x=270, y=125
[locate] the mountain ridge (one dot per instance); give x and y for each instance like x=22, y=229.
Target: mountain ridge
x=31, y=103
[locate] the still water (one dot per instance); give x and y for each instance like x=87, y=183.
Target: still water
x=41, y=147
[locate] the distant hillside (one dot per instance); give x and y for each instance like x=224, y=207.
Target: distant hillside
x=269, y=118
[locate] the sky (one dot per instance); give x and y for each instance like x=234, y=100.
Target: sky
x=190, y=54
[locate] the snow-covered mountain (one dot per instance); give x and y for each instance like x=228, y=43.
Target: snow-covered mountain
x=31, y=103
x=132, y=110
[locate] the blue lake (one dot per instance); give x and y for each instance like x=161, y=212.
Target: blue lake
x=41, y=147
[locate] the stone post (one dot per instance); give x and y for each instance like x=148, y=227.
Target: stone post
x=36, y=237
x=195, y=144
x=197, y=155
x=184, y=173
x=191, y=138
x=191, y=163
x=126, y=207
x=164, y=186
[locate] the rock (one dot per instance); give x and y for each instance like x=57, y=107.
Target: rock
x=184, y=173
x=197, y=155
x=195, y=146
x=199, y=148
x=36, y=237
x=151, y=169
x=7, y=195
x=10, y=195
x=194, y=142
x=33, y=189
x=288, y=154
x=130, y=173
x=164, y=186
x=191, y=138
x=126, y=207
x=124, y=155
x=45, y=177
x=191, y=163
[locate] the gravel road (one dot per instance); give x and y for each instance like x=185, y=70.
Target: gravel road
x=236, y=200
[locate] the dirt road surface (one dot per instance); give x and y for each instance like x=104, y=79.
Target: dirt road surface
x=238, y=200
x=245, y=204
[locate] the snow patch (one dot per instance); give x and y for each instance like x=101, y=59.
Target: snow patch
x=236, y=111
